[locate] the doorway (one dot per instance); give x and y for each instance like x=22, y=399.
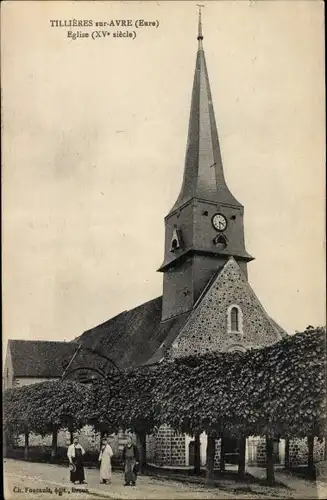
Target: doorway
x=231, y=448
x=276, y=454
x=191, y=453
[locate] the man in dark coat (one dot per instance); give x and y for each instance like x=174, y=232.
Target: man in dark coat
x=131, y=460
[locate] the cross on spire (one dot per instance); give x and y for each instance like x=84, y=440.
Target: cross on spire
x=200, y=35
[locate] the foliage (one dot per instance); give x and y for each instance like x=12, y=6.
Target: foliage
x=276, y=391
x=125, y=401
x=40, y=407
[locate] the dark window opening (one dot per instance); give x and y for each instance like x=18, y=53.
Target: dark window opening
x=234, y=319
x=205, y=213
x=221, y=242
x=174, y=244
x=233, y=217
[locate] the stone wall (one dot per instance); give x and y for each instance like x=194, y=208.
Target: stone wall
x=298, y=454
x=88, y=438
x=170, y=449
x=167, y=447
x=298, y=451
x=217, y=454
x=207, y=326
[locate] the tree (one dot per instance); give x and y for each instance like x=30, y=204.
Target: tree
x=44, y=408
x=277, y=391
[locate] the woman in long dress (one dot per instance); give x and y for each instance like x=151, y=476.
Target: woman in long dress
x=75, y=454
x=131, y=459
x=105, y=460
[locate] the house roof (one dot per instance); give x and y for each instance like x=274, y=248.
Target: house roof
x=133, y=337
x=39, y=358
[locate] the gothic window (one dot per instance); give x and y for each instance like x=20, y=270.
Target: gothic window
x=234, y=319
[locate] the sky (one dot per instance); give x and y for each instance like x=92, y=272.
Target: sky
x=94, y=137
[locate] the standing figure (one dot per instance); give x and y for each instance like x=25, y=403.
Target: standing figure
x=75, y=454
x=105, y=460
x=131, y=459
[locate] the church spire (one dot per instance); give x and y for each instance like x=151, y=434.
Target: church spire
x=203, y=170
x=206, y=225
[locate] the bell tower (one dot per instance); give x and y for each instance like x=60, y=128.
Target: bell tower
x=205, y=225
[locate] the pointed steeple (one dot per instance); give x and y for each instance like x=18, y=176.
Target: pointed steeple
x=206, y=225
x=203, y=170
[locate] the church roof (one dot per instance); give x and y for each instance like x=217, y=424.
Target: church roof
x=203, y=170
x=39, y=358
x=138, y=337
x=133, y=337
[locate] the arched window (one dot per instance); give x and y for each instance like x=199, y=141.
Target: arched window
x=234, y=319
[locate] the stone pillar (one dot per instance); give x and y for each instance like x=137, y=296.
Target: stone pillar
x=163, y=446
x=177, y=448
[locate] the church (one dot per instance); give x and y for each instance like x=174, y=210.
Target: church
x=207, y=302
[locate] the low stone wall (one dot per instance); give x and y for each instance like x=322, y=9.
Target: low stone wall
x=168, y=447
x=298, y=454
x=88, y=438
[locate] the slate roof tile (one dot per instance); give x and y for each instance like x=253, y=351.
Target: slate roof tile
x=39, y=358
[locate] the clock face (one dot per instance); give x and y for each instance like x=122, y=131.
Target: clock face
x=219, y=222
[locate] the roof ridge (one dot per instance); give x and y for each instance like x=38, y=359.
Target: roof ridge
x=208, y=285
